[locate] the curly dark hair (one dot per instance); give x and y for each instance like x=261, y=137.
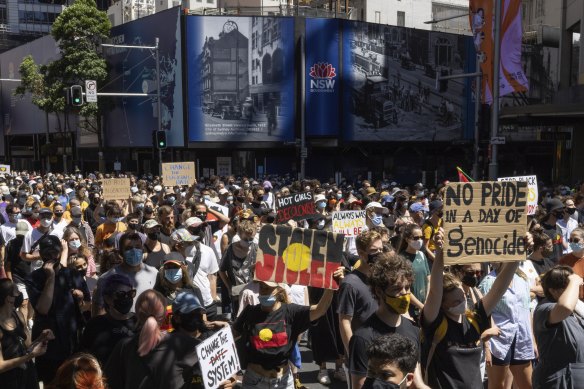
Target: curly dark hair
x=395, y=348
x=388, y=269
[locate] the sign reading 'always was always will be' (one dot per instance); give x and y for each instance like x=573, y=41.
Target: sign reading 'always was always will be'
x=485, y=222
x=350, y=223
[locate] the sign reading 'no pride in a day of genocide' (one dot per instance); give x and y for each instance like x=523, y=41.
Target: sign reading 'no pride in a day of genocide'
x=178, y=173
x=116, y=188
x=349, y=223
x=532, y=191
x=218, y=358
x=297, y=206
x=485, y=222
x=298, y=256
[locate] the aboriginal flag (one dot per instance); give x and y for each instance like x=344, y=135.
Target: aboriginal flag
x=270, y=335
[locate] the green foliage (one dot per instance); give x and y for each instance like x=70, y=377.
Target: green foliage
x=78, y=30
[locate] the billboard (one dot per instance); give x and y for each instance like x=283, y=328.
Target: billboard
x=240, y=77
x=389, y=83
x=132, y=119
x=322, y=77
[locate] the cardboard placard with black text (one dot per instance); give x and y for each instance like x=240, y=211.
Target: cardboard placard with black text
x=178, y=173
x=485, y=221
x=116, y=188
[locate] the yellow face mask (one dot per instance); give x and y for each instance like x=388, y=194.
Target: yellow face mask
x=399, y=304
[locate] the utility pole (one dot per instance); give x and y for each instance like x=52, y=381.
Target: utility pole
x=493, y=166
x=475, y=165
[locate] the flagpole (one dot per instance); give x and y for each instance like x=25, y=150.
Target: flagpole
x=493, y=166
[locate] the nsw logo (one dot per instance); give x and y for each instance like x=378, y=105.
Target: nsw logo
x=322, y=77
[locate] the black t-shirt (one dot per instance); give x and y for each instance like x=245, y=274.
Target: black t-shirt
x=20, y=269
x=102, y=333
x=355, y=299
x=373, y=328
x=542, y=266
x=271, y=336
x=187, y=370
x=556, y=236
x=456, y=360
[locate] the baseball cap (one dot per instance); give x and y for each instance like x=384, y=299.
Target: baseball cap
x=378, y=207
x=434, y=205
x=45, y=211
x=174, y=257
x=21, y=228
x=186, y=302
x=417, y=207
x=115, y=279
x=50, y=242
x=223, y=191
x=193, y=222
x=151, y=223
x=395, y=190
x=182, y=235
x=554, y=204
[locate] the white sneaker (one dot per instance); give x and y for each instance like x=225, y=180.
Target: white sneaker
x=340, y=375
x=323, y=377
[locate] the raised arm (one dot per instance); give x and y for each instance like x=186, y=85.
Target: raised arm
x=434, y=298
x=567, y=301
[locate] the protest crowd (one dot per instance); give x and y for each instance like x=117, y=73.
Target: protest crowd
x=119, y=281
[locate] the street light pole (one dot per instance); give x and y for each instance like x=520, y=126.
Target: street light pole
x=493, y=166
x=475, y=165
x=158, y=103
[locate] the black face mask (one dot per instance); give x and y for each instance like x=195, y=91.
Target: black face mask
x=372, y=258
x=570, y=211
x=470, y=280
x=153, y=235
x=240, y=199
x=123, y=305
x=375, y=383
x=440, y=214
x=201, y=215
x=192, y=322
x=18, y=300
x=133, y=226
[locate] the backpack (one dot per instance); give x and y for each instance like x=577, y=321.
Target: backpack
x=441, y=333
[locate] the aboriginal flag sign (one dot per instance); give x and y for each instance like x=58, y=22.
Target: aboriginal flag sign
x=298, y=256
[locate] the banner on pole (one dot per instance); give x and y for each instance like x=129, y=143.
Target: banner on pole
x=485, y=222
x=298, y=256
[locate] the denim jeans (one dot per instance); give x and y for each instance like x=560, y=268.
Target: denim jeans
x=253, y=380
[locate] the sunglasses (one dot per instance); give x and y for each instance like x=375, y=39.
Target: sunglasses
x=120, y=294
x=417, y=237
x=476, y=273
x=574, y=240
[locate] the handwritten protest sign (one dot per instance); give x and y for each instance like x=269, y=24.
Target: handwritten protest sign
x=116, y=188
x=298, y=256
x=5, y=169
x=218, y=358
x=349, y=223
x=178, y=173
x=531, y=195
x=297, y=206
x=485, y=221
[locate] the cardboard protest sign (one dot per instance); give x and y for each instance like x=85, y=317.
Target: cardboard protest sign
x=349, y=223
x=298, y=256
x=178, y=173
x=5, y=169
x=485, y=221
x=297, y=206
x=116, y=188
x=532, y=194
x=217, y=207
x=218, y=358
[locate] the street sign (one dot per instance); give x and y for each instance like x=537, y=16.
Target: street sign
x=498, y=140
x=91, y=91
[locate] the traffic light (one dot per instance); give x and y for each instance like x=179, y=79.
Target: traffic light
x=160, y=139
x=77, y=95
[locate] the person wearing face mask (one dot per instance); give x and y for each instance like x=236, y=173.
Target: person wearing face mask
x=390, y=281
x=431, y=227
x=77, y=245
x=356, y=303
x=320, y=204
x=574, y=259
x=375, y=213
x=201, y=211
x=555, y=212
x=30, y=246
x=83, y=227
x=141, y=275
x=513, y=349
x=8, y=229
x=410, y=247
x=105, y=235
x=89, y=214
x=392, y=361
x=567, y=224
x=448, y=359
x=55, y=293
x=31, y=213
x=58, y=221
x=269, y=343
x=155, y=250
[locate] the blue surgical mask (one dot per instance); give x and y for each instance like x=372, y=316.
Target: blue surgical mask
x=377, y=220
x=133, y=257
x=321, y=205
x=576, y=246
x=267, y=301
x=170, y=199
x=339, y=196
x=140, y=206
x=173, y=275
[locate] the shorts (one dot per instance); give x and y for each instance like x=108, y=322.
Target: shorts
x=509, y=359
x=22, y=289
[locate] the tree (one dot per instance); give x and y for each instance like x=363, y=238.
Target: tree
x=78, y=30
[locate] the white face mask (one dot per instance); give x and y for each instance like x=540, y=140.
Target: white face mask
x=459, y=309
x=46, y=222
x=416, y=244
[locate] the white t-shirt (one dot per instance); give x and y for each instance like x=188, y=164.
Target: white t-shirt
x=567, y=227
x=207, y=266
x=34, y=235
x=8, y=231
